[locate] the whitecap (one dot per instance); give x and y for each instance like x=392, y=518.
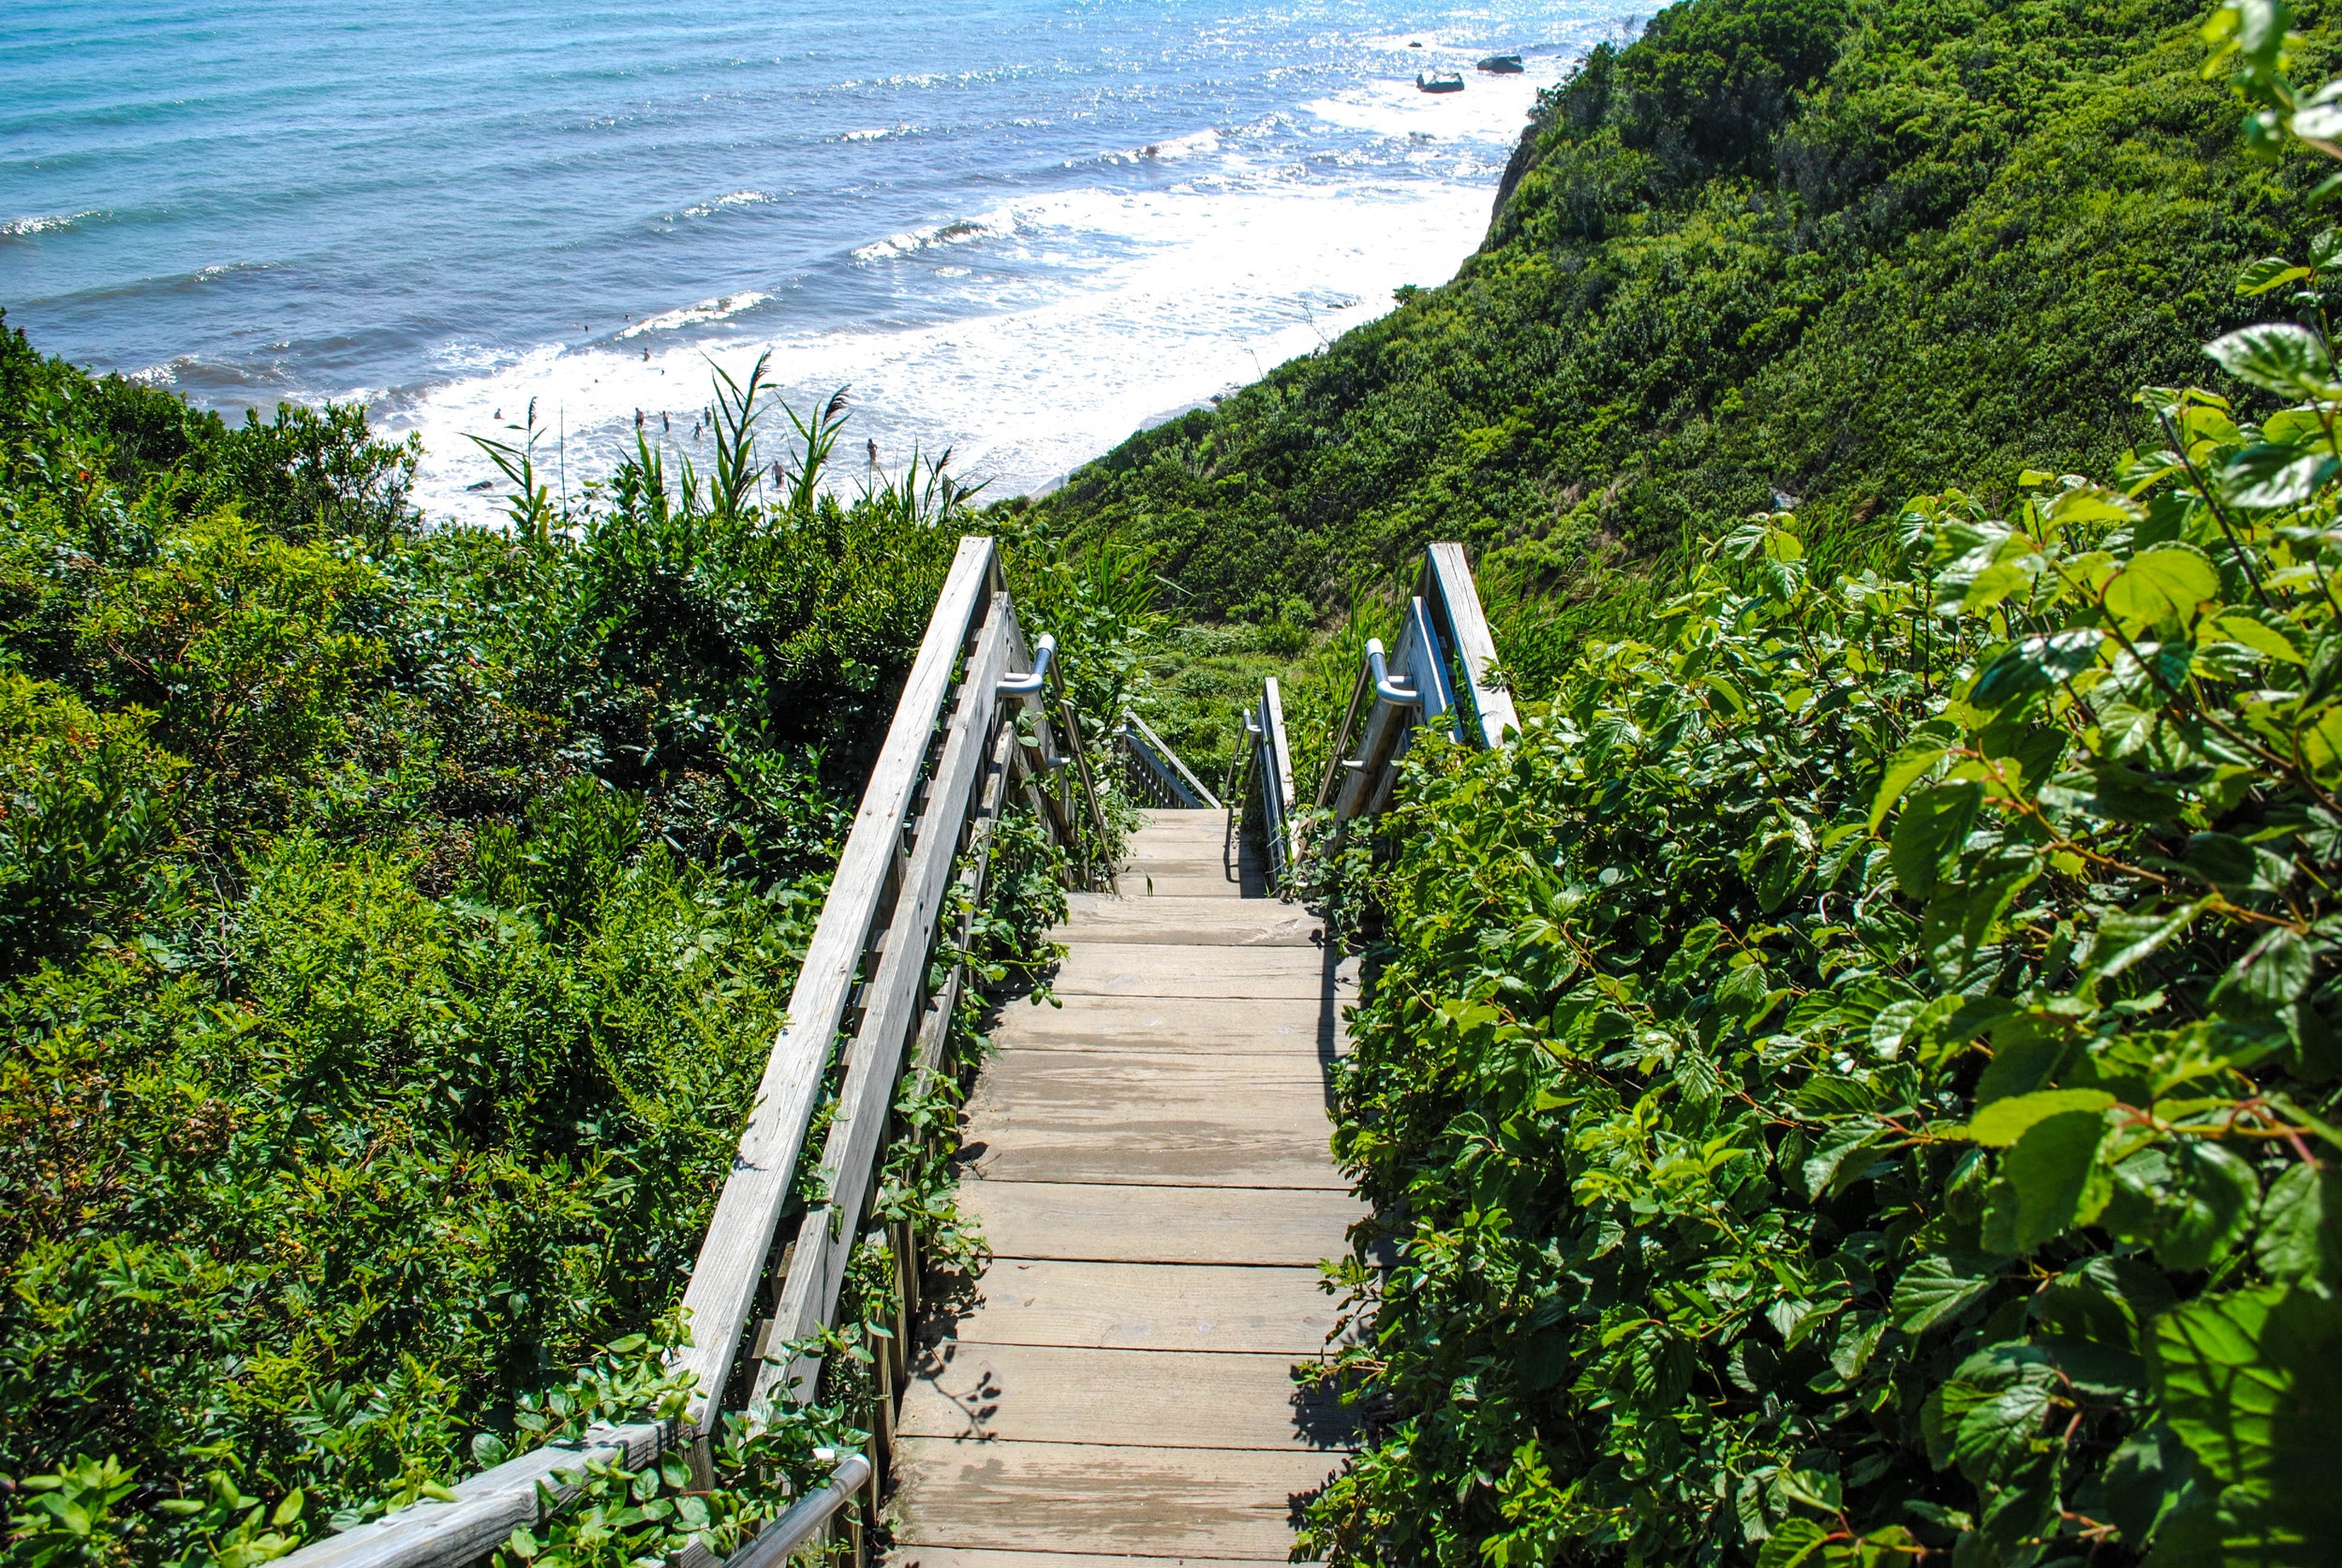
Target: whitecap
x=957, y=231
x=44, y=223
x=736, y=198
x=698, y=315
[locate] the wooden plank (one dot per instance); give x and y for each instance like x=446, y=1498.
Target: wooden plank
x=1008, y=1557
x=1204, y=833
x=739, y=1236
x=975, y=1393
x=1449, y=574
x=1139, y=881
x=810, y=1296
x=1118, y=1222
x=1121, y=1116
x=1098, y=917
x=1209, y=868
x=1188, y=971
x=1152, y=1307
x=935, y=1027
x=488, y=1506
x=1080, y=1497
x=1172, y=1024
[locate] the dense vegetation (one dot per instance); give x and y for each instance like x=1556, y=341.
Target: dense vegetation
x=393, y=923
x=1842, y=252
x=1856, y=1081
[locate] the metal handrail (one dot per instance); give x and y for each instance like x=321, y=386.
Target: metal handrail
x=1028, y=684
x=1268, y=768
x=1077, y=752
x=1445, y=674
x=1176, y=785
x=925, y=824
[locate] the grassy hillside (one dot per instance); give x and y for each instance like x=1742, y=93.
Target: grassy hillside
x=394, y=924
x=1839, y=252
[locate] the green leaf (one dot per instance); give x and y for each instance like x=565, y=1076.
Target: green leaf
x=2266, y=476
x=2269, y=272
x=1994, y=1408
x=2124, y=941
x=2036, y=663
x=2164, y=582
x=1937, y=1287
x=1961, y=915
x=2250, y=1382
x=2301, y=1227
x=2274, y=970
x=1792, y=1544
x=2144, y=1479
x=1908, y=766
x=2004, y=1121
x=2027, y=1051
x=2046, y=1183
x=1827, y=1168
x=2265, y=631
x=2276, y=356
x=1930, y=833
x=2206, y=1199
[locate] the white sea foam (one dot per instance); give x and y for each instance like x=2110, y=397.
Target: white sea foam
x=44, y=223
x=958, y=232
x=697, y=315
x=1055, y=324
x=1214, y=289
x=879, y=133
x=734, y=199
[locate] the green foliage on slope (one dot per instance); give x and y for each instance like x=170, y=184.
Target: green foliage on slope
x=1856, y=1081
x=394, y=924
x=1846, y=252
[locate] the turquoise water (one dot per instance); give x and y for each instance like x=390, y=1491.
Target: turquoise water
x=1018, y=227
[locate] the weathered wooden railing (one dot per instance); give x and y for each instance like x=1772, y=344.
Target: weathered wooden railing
x=975, y=722
x=1154, y=772
x=1445, y=674
x=1267, y=785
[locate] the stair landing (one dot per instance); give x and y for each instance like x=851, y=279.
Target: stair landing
x=1149, y=1164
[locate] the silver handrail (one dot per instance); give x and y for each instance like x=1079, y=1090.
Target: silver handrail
x=1270, y=767
x=1445, y=674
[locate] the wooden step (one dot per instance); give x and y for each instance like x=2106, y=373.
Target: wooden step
x=1122, y=1223
x=1160, y=1121
x=1098, y=917
x=1093, y=1499
x=977, y=1394
x=1190, y=883
x=979, y=1557
x=1211, y=1026
x=1188, y=971
x=1112, y=1306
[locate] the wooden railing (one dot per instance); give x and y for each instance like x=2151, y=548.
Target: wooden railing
x=972, y=725
x=1445, y=674
x=1154, y=772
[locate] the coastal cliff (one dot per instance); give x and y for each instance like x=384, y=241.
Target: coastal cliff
x=1772, y=248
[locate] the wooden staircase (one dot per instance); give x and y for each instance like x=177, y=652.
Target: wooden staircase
x=1149, y=1164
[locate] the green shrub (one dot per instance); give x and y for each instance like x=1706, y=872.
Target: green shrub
x=1843, y=253
x=394, y=923
x=1856, y=1081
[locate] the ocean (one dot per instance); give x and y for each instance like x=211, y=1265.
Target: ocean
x=1015, y=229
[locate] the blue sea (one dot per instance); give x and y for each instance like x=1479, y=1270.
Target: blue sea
x=1017, y=229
